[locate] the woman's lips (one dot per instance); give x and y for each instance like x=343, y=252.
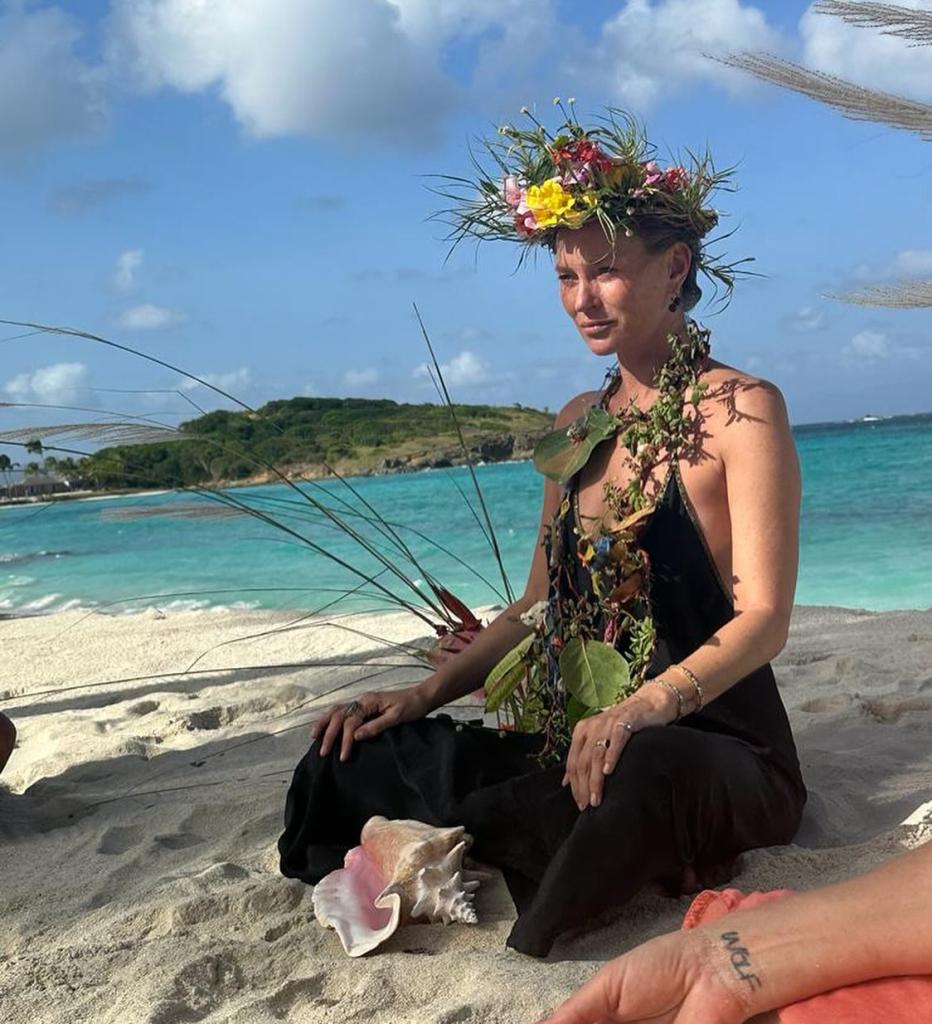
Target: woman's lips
x=595, y=326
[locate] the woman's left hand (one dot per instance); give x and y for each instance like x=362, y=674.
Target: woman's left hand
x=599, y=741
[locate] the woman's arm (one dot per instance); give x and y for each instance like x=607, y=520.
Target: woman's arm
x=459, y=675
x=762, y=477
x=754, y=961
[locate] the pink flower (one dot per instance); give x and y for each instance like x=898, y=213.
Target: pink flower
x=675, y=178
x=579, y=175
x=525, y=222
x=652, y=172
x=512, y=191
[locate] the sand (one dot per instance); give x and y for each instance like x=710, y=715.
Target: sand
x=138, y=874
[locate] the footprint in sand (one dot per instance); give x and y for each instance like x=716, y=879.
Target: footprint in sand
x=889, y=710
x=199, y=989
x=819, y=705
x=120, y=838
x=298, y=994
x=177, y=841
x=458, y=1016
x=143, y=707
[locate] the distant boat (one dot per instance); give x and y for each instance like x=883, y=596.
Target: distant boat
x=870, y=419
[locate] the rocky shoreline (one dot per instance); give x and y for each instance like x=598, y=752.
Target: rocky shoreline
x=506, y=447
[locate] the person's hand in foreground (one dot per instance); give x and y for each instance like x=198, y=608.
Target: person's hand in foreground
x=754, y=961
x=669, y=980
x=367, y=715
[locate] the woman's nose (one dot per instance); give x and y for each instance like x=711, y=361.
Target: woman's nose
x=585, y=295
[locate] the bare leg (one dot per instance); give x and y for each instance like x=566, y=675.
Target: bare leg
x=7, y=739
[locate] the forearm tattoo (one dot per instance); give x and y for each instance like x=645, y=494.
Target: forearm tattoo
x=741, y=960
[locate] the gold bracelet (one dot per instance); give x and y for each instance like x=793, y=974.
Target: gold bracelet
x=700, y=696
x=675, y=690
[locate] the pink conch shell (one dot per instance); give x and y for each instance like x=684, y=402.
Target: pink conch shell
x=402, y=870
x=350, y=901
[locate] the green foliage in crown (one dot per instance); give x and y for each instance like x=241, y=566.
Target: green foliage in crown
x=532, y=182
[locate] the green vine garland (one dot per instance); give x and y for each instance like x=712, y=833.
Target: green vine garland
x=590, y=647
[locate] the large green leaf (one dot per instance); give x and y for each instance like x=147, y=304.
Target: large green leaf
x=576, y=711
x=507, y=675
x=559, y=457
x=594, y=673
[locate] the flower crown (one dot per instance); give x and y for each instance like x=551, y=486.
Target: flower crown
x=542, y=182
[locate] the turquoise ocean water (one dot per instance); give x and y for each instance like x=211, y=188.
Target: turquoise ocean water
x=866, y=536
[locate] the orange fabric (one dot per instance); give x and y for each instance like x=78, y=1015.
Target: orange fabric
x=884, y=1001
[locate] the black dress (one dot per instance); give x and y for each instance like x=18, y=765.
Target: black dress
x=721, y=781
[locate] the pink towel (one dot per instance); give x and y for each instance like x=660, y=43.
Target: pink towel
x=884, y=1001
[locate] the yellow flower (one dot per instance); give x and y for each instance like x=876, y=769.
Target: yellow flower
x=575, y=217
x=550, y=203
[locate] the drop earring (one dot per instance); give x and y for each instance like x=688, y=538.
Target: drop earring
x=675, y=303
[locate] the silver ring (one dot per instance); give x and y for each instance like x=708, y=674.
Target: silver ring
x=353, y=708
x=602, y=743
x=625, y=725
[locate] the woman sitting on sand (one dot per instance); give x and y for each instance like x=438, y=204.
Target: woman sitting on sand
x=649, y=742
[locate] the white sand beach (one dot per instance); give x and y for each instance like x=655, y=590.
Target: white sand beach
x=138, y=871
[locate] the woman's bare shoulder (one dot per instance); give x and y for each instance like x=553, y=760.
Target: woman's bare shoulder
x=576, y=407
x=736, y=393
x=739, y=408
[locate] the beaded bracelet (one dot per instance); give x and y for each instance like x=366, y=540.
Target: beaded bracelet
x=680, y=701
x=700, y=696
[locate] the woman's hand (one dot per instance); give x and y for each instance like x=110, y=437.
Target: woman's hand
x=598, y=741
x=673, y=979
x=367, y=715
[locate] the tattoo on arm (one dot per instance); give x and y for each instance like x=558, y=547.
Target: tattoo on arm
x=741, y=960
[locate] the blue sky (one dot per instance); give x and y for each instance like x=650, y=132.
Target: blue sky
x=238, y=189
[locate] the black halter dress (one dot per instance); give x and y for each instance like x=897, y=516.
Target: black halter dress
x=721, y=781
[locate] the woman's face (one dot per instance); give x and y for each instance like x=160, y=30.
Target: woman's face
x=611, y=292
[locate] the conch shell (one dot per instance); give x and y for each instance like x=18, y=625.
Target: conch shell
x=402, y=870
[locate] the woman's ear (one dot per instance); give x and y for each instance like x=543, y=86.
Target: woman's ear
x=680, y=260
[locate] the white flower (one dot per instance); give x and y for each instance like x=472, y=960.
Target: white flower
x=534, y=616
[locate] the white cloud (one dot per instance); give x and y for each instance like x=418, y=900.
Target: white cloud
x=59, y=384
x=868, y=345
x=913, y=263
x=871, y=346
x=230, y=381
x=866, y=56
x=344, y=70
x=46, y=92
x=128, y=263
x=908, y=263
x=360, y=378
x=463, y=370
x=147, y=317
x=805, y=320
x=649, y=51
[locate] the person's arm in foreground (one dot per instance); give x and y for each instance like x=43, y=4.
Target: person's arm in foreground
x=459, y=675
x=753, y=961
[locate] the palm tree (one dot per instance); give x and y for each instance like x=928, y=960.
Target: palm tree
x=5, y=467
x=860, y=104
